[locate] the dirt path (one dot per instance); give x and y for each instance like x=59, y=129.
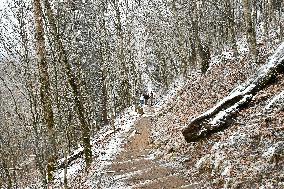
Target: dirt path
x=136, y=168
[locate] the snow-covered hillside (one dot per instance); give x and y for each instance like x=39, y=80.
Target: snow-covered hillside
x=247, y=154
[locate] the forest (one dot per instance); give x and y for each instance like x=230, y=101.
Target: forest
x=71, y=77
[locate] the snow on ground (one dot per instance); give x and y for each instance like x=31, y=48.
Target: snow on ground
x=243, y=46
x=277, y=101
x=106, y=144
x=251, y=148
x=124, y=124
x=246, y=87
x=227, y=53
x=163, y=100
x=222, y=114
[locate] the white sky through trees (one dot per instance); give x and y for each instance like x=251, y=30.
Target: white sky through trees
x=3, y=4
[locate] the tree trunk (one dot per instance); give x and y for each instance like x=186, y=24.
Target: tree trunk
x=104, y=99
x=251, y=34
x=65, y=181
x=45, y=88
x=265, y=20
x=205, y=56
x=202, y=49
x=217, y=118
x=231, y=25
x=181, y=41
x=280, y=22
x=195, y=29
x=8, y=175
x=72, y=80
x=270, y=13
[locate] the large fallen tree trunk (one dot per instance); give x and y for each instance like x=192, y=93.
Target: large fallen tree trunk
x=217, y=117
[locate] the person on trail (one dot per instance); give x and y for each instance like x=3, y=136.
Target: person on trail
x=151, y=98
x=142, y=99
x=146, y=97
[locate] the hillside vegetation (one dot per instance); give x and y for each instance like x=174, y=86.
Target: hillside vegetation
x=76, y=76
x=247, y=152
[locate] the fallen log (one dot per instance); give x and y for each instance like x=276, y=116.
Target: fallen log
x=217, y=118
x=62, y=164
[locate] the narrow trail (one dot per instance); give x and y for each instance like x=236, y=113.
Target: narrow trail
x=135, y=167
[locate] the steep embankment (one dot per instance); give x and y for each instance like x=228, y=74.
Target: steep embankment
x=219, y=117
x=248, y=154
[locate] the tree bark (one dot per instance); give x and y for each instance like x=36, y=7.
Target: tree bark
x=104, y=99
x=251, y=33
x=231, y=25
x=45, y=91
x=72, y=80
x=265, y=20
x=280, y=22
x=217, y=118
x=195, y=29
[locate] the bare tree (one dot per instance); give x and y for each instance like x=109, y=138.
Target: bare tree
x=45, y=88
x=250, y=30
x=74, y=85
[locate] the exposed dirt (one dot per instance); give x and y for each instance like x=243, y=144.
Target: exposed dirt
x=137, y=169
